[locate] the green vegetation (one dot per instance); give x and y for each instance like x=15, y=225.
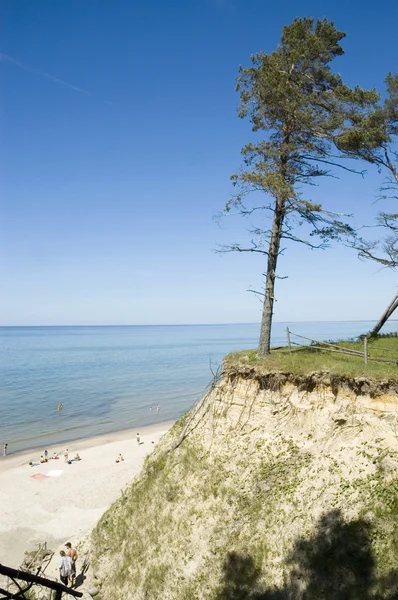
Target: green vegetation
x=310, y=359
x=251, y=513
x=307, y=120
x=375, y=141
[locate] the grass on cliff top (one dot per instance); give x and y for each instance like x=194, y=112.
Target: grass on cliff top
x=308, y=359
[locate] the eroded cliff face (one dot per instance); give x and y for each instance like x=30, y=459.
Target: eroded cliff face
x=317, y=407
x=273, y=486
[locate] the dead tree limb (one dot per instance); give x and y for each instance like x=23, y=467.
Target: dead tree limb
x=385, y=316
x=59, y=588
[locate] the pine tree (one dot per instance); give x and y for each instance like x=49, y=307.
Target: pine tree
x=300, y=107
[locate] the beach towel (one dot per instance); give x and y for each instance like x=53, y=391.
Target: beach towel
x=38, y=476
x=54, y=473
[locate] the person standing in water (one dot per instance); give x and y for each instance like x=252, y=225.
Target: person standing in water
x=5, y=449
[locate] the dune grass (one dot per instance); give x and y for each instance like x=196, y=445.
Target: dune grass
x=309, y=359
x=221, y=525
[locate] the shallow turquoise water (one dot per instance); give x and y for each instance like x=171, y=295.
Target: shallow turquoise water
x=107, y=378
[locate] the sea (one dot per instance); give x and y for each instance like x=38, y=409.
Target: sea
x=109, y=378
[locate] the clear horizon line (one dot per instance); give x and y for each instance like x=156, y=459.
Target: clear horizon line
x=205, y=324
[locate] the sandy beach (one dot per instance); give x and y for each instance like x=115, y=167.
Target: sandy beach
x=59, y=502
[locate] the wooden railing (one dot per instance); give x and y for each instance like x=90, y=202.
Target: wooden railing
x=331, y=347
x=20, y=593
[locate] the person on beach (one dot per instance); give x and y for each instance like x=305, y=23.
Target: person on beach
x=46, y=454
x=65, y=568
x=120, y=458
x=66, y=455
x=5, y=449
x=73, y=555
x=138, y=438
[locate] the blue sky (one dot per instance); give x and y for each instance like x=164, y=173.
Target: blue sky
x=119, y=134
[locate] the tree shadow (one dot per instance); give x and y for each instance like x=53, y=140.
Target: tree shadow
x=336, y=563
x=240, y=577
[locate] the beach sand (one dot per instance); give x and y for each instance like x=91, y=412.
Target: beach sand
x=69, y=500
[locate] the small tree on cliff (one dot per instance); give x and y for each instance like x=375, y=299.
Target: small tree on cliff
x=294, y=98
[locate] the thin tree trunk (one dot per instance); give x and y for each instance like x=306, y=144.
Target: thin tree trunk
x=273, y=253
x=385, y=316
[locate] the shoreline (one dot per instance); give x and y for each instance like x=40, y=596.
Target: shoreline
x=82, y=442
x=58, y=502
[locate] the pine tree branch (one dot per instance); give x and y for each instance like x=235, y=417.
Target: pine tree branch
x=293, y=238
x=335, y=164
x=238, y=248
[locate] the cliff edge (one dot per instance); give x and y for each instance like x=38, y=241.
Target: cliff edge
x=273, y=486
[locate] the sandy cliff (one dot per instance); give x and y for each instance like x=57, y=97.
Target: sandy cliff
x=273, y=486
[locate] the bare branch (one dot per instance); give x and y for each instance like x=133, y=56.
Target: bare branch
x=237, y=248
x=293, y=238
x=366, y=253
x=335, y=164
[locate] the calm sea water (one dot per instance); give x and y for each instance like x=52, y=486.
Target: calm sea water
x=107, y=378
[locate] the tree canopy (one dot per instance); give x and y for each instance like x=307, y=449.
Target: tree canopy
x=375, y=140
x=299, y=107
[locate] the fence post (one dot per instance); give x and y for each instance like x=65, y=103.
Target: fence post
x=289, y=343
x=365, y=349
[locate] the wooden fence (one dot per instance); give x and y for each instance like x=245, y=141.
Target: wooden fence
x=22, y=593
x=330, y=347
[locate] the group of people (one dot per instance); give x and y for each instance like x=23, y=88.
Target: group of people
x=67, y=565
x=68, y=460
x=44, y=458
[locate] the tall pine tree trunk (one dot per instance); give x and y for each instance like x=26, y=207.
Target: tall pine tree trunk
x=273, y=253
